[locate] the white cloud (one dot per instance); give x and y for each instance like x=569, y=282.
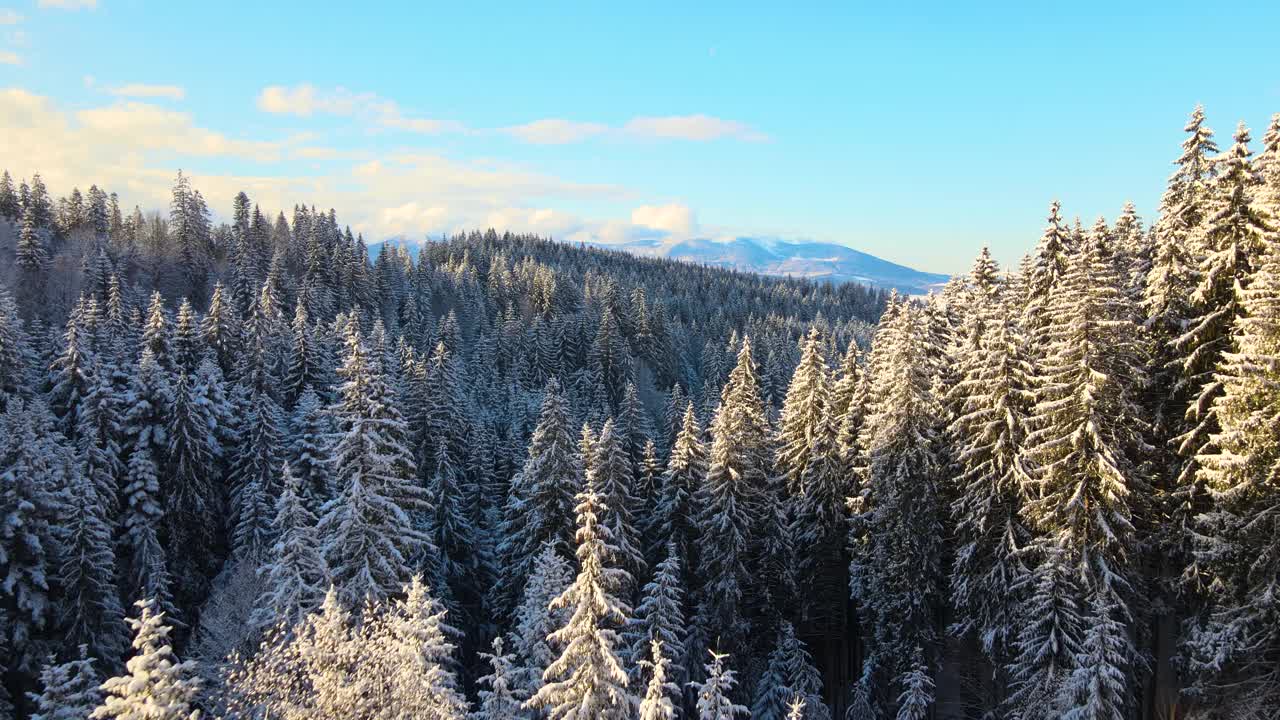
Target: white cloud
x=139, y=90
x=9, y=17
x=69, y=4
x=8, y=57
x=674, y=218
x=555, y=131
x=306, y=100
x=692, y=127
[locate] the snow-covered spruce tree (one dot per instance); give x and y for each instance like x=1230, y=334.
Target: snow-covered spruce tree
x=610, y=468
x=155, y=685
x=676, y=513
x=146, y=428
x=540, y=505
x=220, y=331
x=294, y=574
x=156, y=334
x=304, y=367
x=186, y=339
x=659, y=616
x=731, y=503
x=450, y=530
x=1235, y=235
x=1236, y=545
x=31, y=258
x=193, y=510
x=1097, y=689
x=254, y=467
x=820, y=529
x=367, y=529
x=587, y=680
x=14, y=349
x=993, y=399
x=70, y=689
x=31, y=508
x=609, y=360
x=1086, y=489
x=1045, y=651
x=896, y=533
x=804, y=413
x=99, y=433
x=714, y=701
x=634, y=425
x=310, y=431
x=412, y=656
x=648, y=497
x=661, y=696
x=72, y=375
x=89, y=611
x=500, y=697
x=1048, y=266
x=917, y=690
x=535, y=618
x=789, y=673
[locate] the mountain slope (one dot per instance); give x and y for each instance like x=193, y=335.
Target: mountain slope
x=770, y=256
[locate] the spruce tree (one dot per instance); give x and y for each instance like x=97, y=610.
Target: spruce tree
x=713, y=694
x=89, y=611
x=661, y=696
x=156, y=685
x=294, y=573
x=536, y=619
x=70, y=689
x=310, y=429
x=587, y=680
x=660, y=616
x=500, y=699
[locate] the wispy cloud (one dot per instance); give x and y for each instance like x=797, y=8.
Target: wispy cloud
x=139, y=90
x=692, y=127
x=8, y=57
x=69, y=4
x=555, y=131
x=9, y=17
x=306, y=100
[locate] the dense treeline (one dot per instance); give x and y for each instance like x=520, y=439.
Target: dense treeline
x=510, y=478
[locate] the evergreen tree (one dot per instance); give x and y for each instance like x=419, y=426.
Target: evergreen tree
x=536, y=619
x=804, y=414
x=662, y=696
x=676, y=512
x=610, y=469
x=156, y=685
x=917, y=692
x=418, y=658
x=500, y=699
x=659, y=617
x=191, y=494
x=70, y=690
x=310, y=430
x=368, y=530
x=587, y=680
x=540, y=506
x=295, y=574
x=713, y=694
x=89, y=611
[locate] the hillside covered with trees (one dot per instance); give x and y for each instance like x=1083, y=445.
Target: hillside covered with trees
x=247, y=472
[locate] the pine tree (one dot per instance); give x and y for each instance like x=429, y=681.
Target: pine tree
x=713, y=694
x=295, y=574
x=587, y=680
x=70, y=690
x=500, y=699
x=157, y=686
x=917, y=691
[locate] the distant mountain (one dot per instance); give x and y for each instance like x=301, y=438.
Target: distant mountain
x=771, y=256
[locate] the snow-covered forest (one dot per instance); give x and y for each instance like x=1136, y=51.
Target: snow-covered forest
x=248, y=472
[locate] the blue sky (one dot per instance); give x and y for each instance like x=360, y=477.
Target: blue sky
x=917, y=134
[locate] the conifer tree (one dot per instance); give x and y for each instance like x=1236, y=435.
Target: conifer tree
x=917, y=691
x=587, y=680
x=219, y=331
x=804, y=414
x=536, y=619
x=540, y=506
x=1235, y=539
x=713, y=693
x=610, y=469
x=70, y=690
x=156, y=685
x=417, y=657
x=993, y=399
x=295, y=574
x=309, y=453
x=659, y=616
x=500, y=699
x=89, y=608
x=368, y=530
x=191, y=493
x=662, y=696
